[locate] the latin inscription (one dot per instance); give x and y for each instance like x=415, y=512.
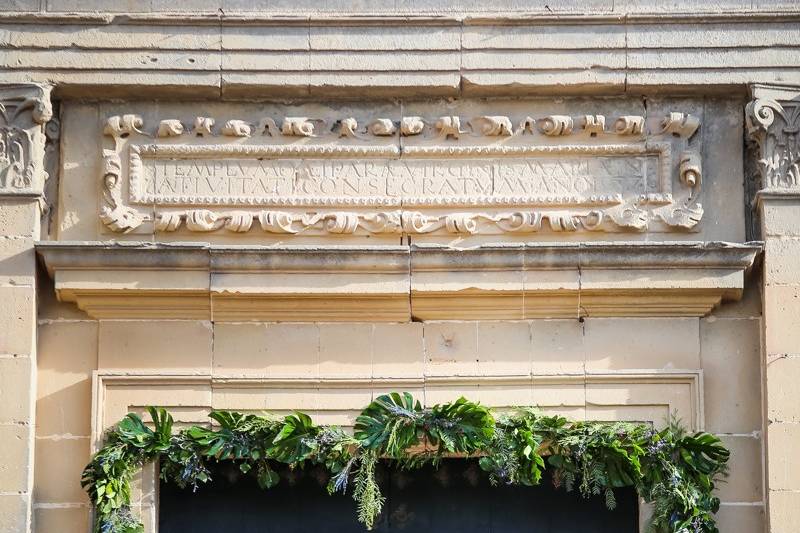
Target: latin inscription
x=233, y=181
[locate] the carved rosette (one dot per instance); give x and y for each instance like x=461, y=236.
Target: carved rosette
x=648, y=160
x=775, y=128
x=24, y=112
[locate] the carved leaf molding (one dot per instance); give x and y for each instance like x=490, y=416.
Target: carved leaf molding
x=775, y=128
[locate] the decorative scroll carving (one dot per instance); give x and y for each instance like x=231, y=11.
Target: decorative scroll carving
x=348, y=127
x=115, y=214
x=556, y=125
x=297, y=127
x=382, y=127
x=411, y=126
x=775, y=128
x=169, y=128
x=497, y=179
x=237, y=128
x=449, y=127
x=24, y=112
x=123, y=126
x=690, y=169
x=629, y=125
x=680, y=124
x=496, y=126
x=594, y=124
x=202, y=126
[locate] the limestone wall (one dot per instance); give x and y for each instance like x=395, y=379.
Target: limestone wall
x=707, y=369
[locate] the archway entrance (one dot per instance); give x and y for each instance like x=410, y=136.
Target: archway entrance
x=457, y=497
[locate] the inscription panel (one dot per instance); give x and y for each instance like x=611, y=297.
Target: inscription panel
x=493, y=174
x=233, y=182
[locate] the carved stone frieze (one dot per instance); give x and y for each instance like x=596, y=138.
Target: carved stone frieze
x=322, y=176
x=775, y=128
x=24, y=112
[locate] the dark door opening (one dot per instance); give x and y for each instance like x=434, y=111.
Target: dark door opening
x=457, y=497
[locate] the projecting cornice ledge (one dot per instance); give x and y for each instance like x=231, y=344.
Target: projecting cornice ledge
x=397, y=283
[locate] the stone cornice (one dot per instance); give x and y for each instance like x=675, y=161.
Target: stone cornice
x=465, y=18
x=396, y=283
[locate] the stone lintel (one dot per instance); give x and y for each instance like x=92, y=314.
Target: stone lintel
x=397, y=283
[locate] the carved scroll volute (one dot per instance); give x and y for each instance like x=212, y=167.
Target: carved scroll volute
x=24, y=111
x=775, y=128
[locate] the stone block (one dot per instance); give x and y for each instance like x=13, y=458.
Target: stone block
x=781, y=257
x=742, y=518
x=384, y=37
x=59, y=463
x=14, y=467
x=16, y=389
x=730, y=352
x=167, y=344
x=504, y=348
x=781, y=316
x=784, y=462
x=14, y=515
x=398, y=351
x=271, y=38
x=784, y=511
x=641, y=343
x=17, y=261
x=451, y=348
x=744, y=482
x=780, y=218
x=240, y=349
x=345, y=350
x=17, y=320
x=66, y=357
x=62, y=520
x=293, y=350
x=531, y=36
x=19, y=217
x=557, y=347
x=782, y=392
x=119, y=6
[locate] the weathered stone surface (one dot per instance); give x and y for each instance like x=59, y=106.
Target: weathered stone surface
x=730, y=354
x=642, y=343
x=58, y=460
x=16, y=463
x=142, y=344
x=66, y=520
x=14, y=512
x=16, y=383
x=745, y=481
x=66, y=357
x=784, y=464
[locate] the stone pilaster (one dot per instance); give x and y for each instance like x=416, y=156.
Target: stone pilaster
x=773, y=123
x=24, y=111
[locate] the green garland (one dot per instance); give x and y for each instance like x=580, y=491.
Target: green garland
x=674, y=471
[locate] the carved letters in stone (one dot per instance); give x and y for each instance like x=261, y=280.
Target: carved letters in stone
x=316, y=175
x=24, y=111
x=775, y=127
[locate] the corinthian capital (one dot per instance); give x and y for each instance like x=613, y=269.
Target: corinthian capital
x=773, y=123
x=24, y=111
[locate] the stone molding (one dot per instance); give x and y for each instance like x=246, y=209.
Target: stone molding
x=334, y=176
x=773, y=124
x=25, y=110
x=397, y=283
x=142, y=382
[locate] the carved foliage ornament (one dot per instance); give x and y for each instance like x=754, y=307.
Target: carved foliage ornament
x=24, y=112
x=775, y=128
x=299, y=171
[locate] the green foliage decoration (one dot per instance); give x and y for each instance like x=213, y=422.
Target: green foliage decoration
x=671, y=469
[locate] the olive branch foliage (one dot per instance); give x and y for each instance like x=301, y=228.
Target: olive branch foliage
x=671, y=469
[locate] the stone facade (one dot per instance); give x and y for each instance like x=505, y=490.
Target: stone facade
x=589, y=207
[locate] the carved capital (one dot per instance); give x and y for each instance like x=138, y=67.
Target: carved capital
x=24, y=111
x=773, y=124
